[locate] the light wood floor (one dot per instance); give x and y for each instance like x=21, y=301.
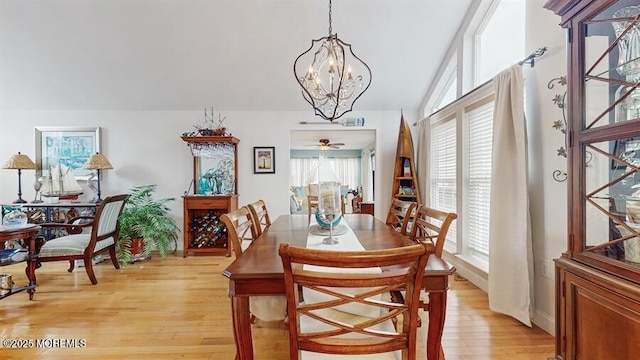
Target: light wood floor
x=178, y=308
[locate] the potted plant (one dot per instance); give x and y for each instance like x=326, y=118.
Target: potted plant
x=145, y=223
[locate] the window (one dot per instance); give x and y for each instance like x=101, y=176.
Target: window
x=460, y=134
x=479, y=126
x=491, y=54
x=448, y=94
x=461, y=137
x=443, y=170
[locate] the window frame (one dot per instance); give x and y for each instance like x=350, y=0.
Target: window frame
x=457, y=111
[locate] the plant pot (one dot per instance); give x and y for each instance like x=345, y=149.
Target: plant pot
x=137, y=249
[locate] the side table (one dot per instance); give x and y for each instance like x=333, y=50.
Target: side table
x=28, y=234
x=367, y=208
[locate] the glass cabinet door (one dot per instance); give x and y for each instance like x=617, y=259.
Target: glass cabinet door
x=214, y=168
x=605, y=136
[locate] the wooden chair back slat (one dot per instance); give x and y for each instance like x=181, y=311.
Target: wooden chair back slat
x=431, y=225
x=400, y=214
x=260, y=216
x=312, y=204
x=239, y=228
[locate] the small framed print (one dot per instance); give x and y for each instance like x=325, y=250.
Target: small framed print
x=264, y=160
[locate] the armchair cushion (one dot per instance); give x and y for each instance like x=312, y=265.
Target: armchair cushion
x=66, y=245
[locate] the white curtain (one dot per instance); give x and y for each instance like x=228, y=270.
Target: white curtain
x=422, y=158
x=367, y=179
x=511, y=256
x=348, y=171
x=304, y=171
x=301, y=170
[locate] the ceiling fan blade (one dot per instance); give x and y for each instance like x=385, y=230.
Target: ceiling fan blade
x=334, y=146
x=338, y=144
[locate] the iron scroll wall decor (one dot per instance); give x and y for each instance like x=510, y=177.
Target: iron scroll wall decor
x=561, y=125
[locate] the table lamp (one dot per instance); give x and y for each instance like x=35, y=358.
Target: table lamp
x=98, y=162
x=19, y=161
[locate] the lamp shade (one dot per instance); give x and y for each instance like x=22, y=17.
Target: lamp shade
x=19, y=161
x=97, y=161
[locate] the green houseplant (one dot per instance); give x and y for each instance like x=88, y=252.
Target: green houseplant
x=146, y=219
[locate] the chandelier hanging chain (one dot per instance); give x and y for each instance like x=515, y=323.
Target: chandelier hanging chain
x=330, y=29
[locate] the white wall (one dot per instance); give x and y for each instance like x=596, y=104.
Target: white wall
x=548, y=198
x=146, y=148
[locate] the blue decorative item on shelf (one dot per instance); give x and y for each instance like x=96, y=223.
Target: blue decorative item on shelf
x=7, y=254
x=323, y=221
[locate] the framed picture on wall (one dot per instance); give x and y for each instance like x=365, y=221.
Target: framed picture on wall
x=70, y=146
x=264, y=160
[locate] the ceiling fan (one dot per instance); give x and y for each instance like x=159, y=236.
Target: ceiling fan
x=325, y=144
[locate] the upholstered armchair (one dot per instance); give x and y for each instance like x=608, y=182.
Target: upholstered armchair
x=80, y=244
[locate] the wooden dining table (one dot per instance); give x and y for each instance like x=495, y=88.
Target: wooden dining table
x=258, y=272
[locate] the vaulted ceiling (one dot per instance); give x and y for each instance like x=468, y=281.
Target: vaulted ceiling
x=233, y=55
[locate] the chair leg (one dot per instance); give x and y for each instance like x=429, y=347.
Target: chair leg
x=114, y=259
x=72, y=265
x=88, y=265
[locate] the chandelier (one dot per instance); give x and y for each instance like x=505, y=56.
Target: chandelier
x=331, y=76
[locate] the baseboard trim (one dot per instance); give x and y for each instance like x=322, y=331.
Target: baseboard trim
x=479, y=278
x=545, y=321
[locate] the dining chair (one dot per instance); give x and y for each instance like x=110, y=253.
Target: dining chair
x=240, y=229
x=259, y=216
x=81, y=245
x=430, y=226
x=329, y=327
x=400, y=213
x=242, y=234
x=312, y=205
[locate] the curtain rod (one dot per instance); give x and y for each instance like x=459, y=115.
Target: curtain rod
x=528, y=60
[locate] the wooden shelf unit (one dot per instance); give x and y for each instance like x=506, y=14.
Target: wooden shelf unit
x=203, y=231
x=405, y=162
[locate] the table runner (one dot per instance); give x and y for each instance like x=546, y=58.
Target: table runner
x=346, y=242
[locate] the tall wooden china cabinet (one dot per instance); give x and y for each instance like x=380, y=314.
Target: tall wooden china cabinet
x=598, y=277
x=215, y=179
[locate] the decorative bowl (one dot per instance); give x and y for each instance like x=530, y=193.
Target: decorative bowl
x=322, y=221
